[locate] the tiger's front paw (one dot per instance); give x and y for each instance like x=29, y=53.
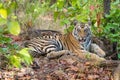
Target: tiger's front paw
x=97, y=50
x=57, y=54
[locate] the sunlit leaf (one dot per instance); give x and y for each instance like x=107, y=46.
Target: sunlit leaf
x=1, y=5
x=60, y=4
x=95, y=24
x=14, y=17
x=14, y=27
x=15, y=61
x=74, y=2
x=25, y=55
x=24, y=52
x=3, y=13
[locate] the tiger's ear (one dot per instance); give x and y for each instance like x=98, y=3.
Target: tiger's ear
x=74, y=22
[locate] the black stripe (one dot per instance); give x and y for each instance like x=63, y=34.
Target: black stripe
x=50, y=47
x=36, y=47
x=60, y=44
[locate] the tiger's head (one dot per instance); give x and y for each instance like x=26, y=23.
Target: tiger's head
x=82, y=33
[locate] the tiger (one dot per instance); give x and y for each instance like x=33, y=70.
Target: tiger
x=77, y=41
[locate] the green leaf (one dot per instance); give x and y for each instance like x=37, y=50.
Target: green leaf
x=56, y=15
x=65, y=21
x=11, y=8
x=4, y=50
x=116, y=2
x=1, y=5
x=25, y=56
x=15, y=60
x=16, y=46
x=119, y=55
x=60, y=4
x=3, y=21
x=14, y=27
x=69, y=29
x=5, y=40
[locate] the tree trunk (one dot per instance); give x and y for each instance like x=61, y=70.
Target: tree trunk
x=106, y=5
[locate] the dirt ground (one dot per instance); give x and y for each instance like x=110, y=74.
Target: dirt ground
x=66, y=67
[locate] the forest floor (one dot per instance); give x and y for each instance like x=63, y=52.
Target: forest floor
x=66, y=67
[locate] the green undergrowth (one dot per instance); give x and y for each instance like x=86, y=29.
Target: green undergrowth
x=11, y=54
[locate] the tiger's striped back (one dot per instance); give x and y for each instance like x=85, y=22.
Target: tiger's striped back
x=49, y=34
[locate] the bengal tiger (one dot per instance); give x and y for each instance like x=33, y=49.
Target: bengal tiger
x=76, y=41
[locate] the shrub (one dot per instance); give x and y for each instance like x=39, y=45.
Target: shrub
x=11, y=52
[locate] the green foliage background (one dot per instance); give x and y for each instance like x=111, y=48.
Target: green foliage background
x=107, y=27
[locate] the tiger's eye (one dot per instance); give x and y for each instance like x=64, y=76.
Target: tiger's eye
x=78, y=30
x=85, y=30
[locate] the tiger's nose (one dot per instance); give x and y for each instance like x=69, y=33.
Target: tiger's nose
x=84, y=39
